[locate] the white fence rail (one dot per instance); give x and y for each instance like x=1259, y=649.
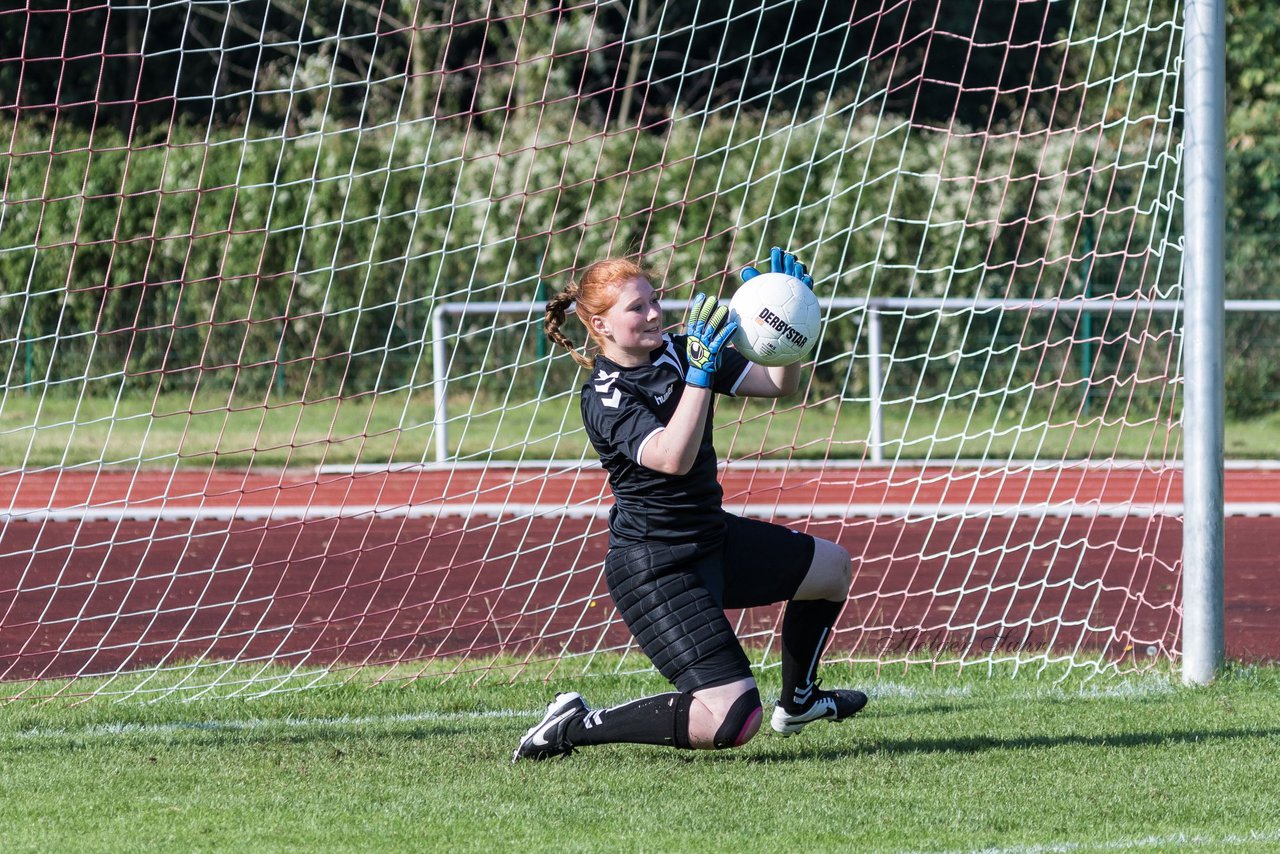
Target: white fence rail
x=873, y=307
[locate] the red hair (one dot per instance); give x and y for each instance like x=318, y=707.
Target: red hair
x=592, y=295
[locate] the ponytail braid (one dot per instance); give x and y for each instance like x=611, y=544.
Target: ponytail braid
x=555, y=317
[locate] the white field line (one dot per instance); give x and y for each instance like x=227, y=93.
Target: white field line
x=1251, y=837
x=1140, y=686
x=786, y=465
x=251, y=724
x=600, y=510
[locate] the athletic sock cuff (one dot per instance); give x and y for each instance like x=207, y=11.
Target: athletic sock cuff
x=680, y=721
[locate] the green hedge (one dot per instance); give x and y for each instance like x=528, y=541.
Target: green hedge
x=307, y=265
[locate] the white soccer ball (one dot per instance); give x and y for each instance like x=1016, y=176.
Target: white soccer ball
x=778, y=319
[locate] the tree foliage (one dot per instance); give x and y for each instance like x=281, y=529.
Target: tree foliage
x=269, y=192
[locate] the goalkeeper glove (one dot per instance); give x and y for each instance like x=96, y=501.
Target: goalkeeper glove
x=780, y=262
x=708, y=330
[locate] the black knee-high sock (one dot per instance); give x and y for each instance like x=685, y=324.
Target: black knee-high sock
x=806, y=628
x=663, y=719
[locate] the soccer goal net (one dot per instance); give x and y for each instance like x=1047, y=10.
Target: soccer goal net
x=277, y=408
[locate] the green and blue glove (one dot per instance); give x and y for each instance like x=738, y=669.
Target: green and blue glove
x=781, y=262
x=708, y=330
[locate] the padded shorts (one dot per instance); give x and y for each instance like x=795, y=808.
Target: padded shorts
x=673, y=597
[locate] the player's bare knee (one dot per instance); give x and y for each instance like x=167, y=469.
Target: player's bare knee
x=844, y=571
x=836, y=571
x=740, y=722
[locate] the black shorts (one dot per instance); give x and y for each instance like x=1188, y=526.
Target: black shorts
x=673, y=597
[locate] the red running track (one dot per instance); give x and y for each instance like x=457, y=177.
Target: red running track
x=189, y=488
x=81, y=595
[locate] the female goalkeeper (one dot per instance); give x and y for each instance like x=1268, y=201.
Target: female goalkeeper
x=676, y=559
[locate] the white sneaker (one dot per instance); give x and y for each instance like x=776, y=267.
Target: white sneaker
x=838, y=705
x=547, y=738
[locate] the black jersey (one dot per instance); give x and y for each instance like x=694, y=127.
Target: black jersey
x=623, y=408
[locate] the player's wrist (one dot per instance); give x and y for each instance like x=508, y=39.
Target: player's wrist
x=699, y=378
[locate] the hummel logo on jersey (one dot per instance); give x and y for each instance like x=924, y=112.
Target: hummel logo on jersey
x=603, y=388
x=662, y=398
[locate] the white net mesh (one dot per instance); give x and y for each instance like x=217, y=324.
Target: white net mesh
x=278, y=405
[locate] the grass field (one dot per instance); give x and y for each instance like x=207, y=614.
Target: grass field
x=939, y=761
x=62, y=431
